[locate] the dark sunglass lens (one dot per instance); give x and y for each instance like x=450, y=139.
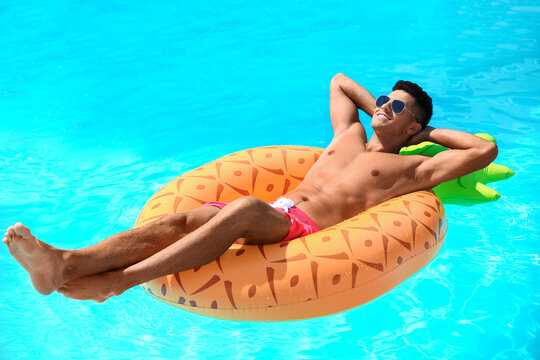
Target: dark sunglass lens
x=381, y=100
x=398, y=106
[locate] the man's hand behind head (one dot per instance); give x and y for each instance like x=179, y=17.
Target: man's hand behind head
x=421, y=136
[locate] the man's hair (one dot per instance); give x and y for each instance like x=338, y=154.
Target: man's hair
x=422, y=100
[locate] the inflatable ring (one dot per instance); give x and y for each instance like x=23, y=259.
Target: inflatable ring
x=327, y=272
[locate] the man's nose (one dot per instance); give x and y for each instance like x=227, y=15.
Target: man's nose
x=388, y=105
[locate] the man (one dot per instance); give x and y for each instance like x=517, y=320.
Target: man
x=351, y=176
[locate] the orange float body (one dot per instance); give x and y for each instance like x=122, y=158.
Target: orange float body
x=330, y=271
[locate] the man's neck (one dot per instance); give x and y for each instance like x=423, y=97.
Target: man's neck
x=385, y=144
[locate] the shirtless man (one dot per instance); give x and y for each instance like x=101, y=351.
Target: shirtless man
x=351, y=176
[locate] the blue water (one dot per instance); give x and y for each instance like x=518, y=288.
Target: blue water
x=101, y=103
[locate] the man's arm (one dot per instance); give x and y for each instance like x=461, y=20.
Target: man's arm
x=346, y=97
x=466, y=153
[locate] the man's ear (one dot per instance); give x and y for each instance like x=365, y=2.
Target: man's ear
x=414, y=128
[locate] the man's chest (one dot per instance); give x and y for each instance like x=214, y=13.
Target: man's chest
x=356, y=172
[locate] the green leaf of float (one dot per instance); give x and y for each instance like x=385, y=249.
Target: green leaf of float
x=453, y=192
x=468, y=189
x=492, y=173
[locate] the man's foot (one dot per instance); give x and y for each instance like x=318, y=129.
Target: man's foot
x=43, y=262
x=98, y=287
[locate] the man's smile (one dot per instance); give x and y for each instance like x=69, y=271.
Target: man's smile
x=383, y=116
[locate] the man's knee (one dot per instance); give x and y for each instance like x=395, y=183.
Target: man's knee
x=248, y=205
x=258, y=222
x=251, y=210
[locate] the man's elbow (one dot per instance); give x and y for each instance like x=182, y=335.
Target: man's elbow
x=493, y=151
x=335, y=80
x=489, y=152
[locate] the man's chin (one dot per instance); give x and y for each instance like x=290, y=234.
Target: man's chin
x=378, y=127
x=379, y=124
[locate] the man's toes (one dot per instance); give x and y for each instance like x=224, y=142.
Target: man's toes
x=21, y=230
x=65, y=292
x=10, y=230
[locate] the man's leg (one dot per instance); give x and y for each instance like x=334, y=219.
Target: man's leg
x=248, y=218
x=50, y=268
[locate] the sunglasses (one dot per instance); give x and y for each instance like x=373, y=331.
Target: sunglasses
x=397, y=105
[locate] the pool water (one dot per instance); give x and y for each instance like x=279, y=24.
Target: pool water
x=102, y=103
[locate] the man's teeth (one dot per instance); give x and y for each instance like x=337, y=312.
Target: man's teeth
x=383, y=117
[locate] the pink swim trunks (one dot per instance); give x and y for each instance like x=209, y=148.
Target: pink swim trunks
x=301, y=223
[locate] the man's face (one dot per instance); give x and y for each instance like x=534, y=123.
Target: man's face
x=387, y=122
